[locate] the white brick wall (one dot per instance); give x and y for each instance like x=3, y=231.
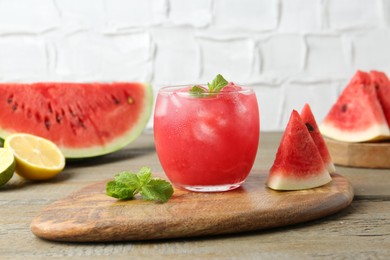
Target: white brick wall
x=291, y=51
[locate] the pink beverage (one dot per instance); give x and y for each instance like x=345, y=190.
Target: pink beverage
x=207, y=143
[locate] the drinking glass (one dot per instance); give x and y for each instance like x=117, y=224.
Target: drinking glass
x=206, y=142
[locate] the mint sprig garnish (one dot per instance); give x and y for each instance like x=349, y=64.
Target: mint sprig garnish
x=214, y=87
x=218, y=83
x=127, y=184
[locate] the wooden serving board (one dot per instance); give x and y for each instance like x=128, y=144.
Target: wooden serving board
x=91, y=216
x=365, y=155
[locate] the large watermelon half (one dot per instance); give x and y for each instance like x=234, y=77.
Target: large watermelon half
x=298, y=163
x=83, y=119
x=357, y=115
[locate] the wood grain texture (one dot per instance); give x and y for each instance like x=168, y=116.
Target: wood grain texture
x=366, y=155
x=361, y=231
x=89, y=215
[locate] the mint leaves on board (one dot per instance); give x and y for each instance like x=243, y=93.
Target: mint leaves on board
x=127, y=184
x=218, y=83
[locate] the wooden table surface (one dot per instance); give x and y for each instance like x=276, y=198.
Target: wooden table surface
x=361, y=231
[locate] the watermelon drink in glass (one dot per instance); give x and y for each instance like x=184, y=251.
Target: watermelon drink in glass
x=206, y=140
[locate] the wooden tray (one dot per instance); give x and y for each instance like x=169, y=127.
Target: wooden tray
x=89, y=215
x=365, y=155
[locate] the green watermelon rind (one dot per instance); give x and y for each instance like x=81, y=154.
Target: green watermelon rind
x=114, y=145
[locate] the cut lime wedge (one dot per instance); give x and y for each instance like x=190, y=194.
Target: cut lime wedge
x=7, y=165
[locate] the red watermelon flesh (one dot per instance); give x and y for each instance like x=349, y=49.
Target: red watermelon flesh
x=382, y=85
x=83, y=119
x=298, y=163
x=311, y=124
x=357, y=115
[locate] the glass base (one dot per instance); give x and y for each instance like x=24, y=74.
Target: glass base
x=212, y=188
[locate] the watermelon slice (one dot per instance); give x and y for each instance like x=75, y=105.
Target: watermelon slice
x=382, y=85
x=311, y=124
x=357, y=115
x=298, y=163
x=83, y=119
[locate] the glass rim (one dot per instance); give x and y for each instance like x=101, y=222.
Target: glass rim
x=174, y=88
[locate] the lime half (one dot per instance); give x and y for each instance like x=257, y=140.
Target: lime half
x=7, y=165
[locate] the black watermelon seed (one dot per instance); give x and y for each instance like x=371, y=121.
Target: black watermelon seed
x=38, y=117
x=10, y=99
x=29, y=113
x=47, y=123
x=50, y=108
x=58, y=118
x=309, y=127
x=116, y=100
x=81, y=123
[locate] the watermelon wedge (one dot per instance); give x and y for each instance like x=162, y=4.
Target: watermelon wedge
x=311, y=124
x=298, y=163
x=382, y=85
x=357, y=115
x=83, y=119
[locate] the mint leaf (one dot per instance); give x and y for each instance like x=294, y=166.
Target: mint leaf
x=197, y=91
x=144, y=175
x=218, y=83
x=120, y=190
x=128, y=178
x=127, y=184
x=157, y=190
